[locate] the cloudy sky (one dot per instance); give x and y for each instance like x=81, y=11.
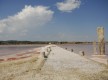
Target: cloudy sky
x=55, y=20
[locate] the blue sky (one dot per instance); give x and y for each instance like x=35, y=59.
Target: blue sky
x=56, y=20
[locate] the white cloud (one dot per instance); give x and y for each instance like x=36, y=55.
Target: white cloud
x=30, y=17
x=68, y=5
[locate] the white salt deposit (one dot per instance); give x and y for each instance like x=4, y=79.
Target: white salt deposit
x=65, y=65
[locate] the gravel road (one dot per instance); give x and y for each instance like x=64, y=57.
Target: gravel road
x=65, y=65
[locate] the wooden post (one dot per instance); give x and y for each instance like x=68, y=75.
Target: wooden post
x=101, y=42
x=82, y=53
x=42, y=55
x=71, y=50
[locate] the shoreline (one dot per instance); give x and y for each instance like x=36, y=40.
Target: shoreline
x=20, y=55
x=28, y=53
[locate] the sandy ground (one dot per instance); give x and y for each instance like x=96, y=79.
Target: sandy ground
x=60, y=65
x=21, y=64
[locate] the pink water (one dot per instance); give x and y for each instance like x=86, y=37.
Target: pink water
x=87, y=48
x=13, y=49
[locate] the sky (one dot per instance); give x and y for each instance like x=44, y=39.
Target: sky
x=53, y=20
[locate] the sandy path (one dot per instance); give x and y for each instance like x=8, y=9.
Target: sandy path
x=65, y=65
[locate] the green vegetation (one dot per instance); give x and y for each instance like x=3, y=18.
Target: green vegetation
x=15, y=42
